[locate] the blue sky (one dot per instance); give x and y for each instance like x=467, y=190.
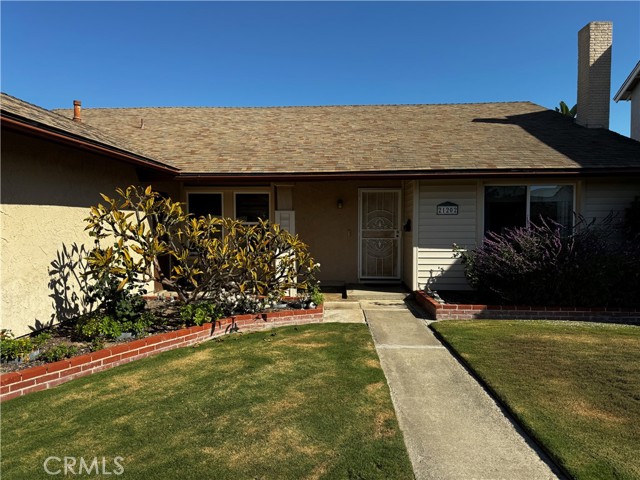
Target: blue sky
x=126, y=54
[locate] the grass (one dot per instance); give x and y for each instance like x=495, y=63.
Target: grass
x=296, y=402
x=575, y=387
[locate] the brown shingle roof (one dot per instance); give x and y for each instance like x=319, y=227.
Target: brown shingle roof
x=376, y=138
x=29, y=114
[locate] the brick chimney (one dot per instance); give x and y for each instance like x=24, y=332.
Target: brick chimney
x=594, y=74
x=77, y=111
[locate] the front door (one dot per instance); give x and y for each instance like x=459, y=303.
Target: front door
x=379, y=234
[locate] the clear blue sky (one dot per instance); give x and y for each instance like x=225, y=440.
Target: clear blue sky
x=126, y=54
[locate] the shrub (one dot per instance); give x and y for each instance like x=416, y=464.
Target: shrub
x=59, y=352
x=543, y=264
x=249, y=261
x=200, y=313
x=139, y=325
x=314, y=294
x=119, y=309
x=98, y=325
x=12, y=348
x=122, y=303
x=632, y=219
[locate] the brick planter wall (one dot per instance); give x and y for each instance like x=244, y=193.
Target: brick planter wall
x=15, y=384
x=439, y=311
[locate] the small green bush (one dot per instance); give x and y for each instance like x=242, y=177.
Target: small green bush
x=59, y=352
x=12, y=348
x=98, y=325
x=139, y=325
x=200, y=313
x=120, y=302
x=119, y=309
x=40, y=339
x=315, y=295
x=97, y=344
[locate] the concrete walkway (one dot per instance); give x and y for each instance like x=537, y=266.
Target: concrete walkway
x=452, y=428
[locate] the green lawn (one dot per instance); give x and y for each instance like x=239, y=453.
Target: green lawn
x=296, y=402
x=574, y=386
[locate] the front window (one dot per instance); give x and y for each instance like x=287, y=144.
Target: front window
x=252, y=206
x=551, y=201
x=203, y=204
x=514, y=206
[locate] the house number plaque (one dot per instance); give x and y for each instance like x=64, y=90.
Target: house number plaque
x=447, y=208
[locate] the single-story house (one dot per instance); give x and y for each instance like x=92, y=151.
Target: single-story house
x=379, y=192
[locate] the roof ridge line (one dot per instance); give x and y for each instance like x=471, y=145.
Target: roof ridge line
x=202, y=107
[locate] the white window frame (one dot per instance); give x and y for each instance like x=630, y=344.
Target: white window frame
x=250, y=192
x=528, y=186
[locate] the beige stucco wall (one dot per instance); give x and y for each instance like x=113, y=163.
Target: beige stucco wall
x=46, y=192
x=330, y=232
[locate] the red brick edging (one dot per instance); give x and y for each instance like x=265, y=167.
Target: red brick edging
x=439, y=311
x=16, y=384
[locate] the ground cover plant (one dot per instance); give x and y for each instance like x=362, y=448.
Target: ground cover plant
x=295, y=402
x=574, y=386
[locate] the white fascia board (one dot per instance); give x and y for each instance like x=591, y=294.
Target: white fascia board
x=629, y=83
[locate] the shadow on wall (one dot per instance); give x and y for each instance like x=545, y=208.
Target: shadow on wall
x=449, y=275
x=68, y=284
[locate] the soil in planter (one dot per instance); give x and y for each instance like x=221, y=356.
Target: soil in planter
x=167, y=319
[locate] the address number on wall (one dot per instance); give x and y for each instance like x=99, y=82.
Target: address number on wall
x=447, y=208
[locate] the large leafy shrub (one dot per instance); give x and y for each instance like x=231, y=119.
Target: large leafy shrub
x=544, y=264
x=211, y=257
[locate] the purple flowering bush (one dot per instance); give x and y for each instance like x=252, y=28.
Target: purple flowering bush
x=544, y=264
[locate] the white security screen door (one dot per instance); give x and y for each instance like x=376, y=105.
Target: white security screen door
x=379, y=234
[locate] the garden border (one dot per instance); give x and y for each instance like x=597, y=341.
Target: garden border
x=440, y=311
x=16, y=384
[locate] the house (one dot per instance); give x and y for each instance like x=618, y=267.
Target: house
x=379, y=192
x=630, y=91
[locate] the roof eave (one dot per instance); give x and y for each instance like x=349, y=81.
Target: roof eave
x=23, y=125
x=629, y=84
x=405, y=175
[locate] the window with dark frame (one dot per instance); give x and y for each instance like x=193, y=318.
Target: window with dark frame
x=203, y=204
x=250, y=207
x=509, y=206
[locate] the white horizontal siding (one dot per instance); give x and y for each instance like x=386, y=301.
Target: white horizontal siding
x=436, y=266
x=602, y=198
